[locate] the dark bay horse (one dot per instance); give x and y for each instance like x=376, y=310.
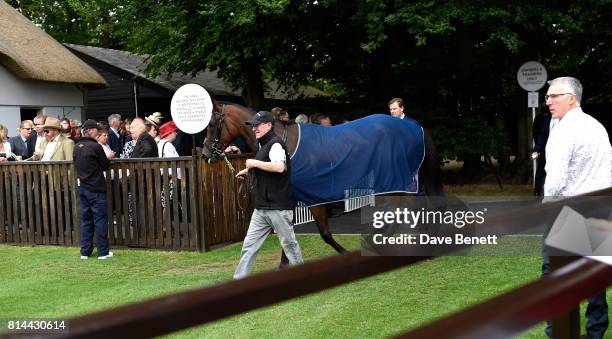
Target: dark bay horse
x=227, y=124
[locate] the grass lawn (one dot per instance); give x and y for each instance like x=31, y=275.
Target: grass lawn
x=52, y=282
x=48, y=281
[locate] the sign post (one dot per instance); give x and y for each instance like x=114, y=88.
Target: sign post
x=191, y=108
x=532, y=76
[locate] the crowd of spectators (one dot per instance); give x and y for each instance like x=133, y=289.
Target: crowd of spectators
x=49, y=138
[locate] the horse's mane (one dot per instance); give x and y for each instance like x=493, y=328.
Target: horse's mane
x=287, y=123
x=238, y=105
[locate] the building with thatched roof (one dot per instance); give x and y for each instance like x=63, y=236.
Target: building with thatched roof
x=38, y=74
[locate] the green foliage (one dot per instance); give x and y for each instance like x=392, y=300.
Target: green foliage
x=85, y=22
x=458, y=138
x=456, y=57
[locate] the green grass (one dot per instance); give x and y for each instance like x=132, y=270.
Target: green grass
x=50, y=281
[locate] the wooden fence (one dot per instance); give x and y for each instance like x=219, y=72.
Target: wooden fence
x=38, y=203
x=169, y=203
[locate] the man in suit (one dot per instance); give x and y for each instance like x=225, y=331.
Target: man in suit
x=540, y=137
x=114, y=136
x=19, y=143
x=396, y=108
x=55, y=146
x=145, y=145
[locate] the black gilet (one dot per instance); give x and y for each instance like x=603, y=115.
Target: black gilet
x=273, y=190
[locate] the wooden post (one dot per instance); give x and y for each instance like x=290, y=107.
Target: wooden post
x=198, y=216
x=566, y=326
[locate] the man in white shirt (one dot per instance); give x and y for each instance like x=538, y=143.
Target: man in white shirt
x=578, y=152
x=37, y=136
x=578, y=160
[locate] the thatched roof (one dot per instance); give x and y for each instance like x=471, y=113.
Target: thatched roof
x=30, y=53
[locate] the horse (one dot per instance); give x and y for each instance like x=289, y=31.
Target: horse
x=227, y=124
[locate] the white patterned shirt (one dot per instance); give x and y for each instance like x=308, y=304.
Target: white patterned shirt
x=578, y=156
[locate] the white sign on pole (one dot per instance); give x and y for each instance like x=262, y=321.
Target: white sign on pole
x=191, y=108
x=532, y=99
x=531, y=76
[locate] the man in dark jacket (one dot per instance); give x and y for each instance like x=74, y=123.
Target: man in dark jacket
x=90, y=162
x=273, y=200
x=540, y=132
x=19, y=143
x=145, y=145
x=114, y=135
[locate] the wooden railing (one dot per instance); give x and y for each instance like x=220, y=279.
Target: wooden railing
x=38, y=203
x=168, y=203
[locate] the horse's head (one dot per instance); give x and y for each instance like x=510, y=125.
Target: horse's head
x=226, y=125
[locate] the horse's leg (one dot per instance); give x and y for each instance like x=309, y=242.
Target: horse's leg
x=320, y=216
x=284, y=262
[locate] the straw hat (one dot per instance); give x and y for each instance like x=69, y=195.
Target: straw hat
x=52, y=123
x=155, y=118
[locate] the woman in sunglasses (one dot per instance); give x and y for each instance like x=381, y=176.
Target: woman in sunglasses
x=5, y=146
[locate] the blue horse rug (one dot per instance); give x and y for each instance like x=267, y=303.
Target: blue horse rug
x=372, y=155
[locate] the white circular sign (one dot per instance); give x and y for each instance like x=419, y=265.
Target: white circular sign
x=191, y=108
x=531, y=76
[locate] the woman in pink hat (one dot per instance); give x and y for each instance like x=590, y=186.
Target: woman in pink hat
x=166, y=149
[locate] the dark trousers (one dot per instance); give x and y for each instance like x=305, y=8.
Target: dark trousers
x=596, y=312
x=540, y=175
x=93, y=214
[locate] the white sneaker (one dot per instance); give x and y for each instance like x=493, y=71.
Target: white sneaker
x=83, y=257
x=109, y=255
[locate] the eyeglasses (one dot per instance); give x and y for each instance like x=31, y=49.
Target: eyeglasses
x=26, y=128
x=47, y=130
x=552, y=96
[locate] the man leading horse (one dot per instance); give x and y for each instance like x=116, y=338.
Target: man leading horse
x=273, y=197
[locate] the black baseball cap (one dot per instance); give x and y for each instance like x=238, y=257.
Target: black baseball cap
x=89, y=124
x=260, y=118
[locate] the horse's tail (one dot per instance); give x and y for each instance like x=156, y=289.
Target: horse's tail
x=430, y=173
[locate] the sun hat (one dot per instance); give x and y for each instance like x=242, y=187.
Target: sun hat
x=155, y=118
x=167, y=128
x=51, y=122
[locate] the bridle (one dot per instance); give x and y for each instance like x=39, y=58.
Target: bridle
x=217, y=152
x=217, y=147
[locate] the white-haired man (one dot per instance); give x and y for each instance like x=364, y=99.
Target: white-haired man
x=114, y=136
x=578, y=160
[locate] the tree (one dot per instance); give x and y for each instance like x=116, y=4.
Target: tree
x=84, y=22
x=455, y=60
x=237, y=39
